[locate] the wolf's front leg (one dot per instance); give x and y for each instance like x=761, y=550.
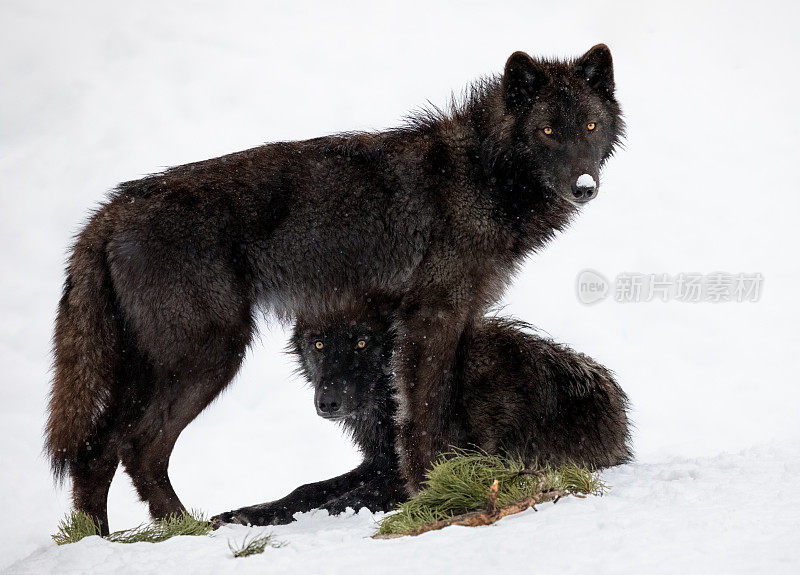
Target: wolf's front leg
x=304, y=498
x=429, y=417
x=378, y=495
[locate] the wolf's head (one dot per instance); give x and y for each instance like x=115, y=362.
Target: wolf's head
x=566, y=120
x=347, y=362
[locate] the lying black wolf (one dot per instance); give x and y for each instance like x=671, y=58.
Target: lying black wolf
x=519, y=394
x=165, y=279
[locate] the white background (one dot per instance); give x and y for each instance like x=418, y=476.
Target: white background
x=94, y=93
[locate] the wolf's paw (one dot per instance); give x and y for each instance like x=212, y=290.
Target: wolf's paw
x=222, y=519
x=256, y=515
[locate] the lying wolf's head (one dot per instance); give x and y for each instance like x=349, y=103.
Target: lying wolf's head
x=348, y=363
x=566, y=120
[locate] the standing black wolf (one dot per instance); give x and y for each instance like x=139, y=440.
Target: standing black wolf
x=163, y=282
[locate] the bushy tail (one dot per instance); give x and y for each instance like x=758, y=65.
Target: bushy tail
x=86, y=348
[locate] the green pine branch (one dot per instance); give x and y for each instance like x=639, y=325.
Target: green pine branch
x=463, y=482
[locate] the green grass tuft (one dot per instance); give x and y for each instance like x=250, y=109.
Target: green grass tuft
x=254, y=544
x=184, y=523
x=459, y=482
x=75, y=526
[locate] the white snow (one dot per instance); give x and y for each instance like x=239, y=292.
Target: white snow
x=675, y=515
x=586, y=181
x=95, y=93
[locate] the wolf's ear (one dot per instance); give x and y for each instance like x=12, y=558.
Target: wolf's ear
x=597, y=68
x=522, y=79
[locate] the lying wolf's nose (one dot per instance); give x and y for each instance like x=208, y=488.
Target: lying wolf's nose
x=584, y=188
x=328, y=402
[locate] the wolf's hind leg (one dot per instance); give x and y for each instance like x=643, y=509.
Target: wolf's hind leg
x=178, y=399
x=91, y=480
x=147, y=461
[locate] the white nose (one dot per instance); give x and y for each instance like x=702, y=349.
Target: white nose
x=584, y=189
x=586, y=181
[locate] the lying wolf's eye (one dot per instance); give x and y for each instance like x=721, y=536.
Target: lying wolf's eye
x=591, y=125
x=318, y=344
x=548, y=130
x=361, y=344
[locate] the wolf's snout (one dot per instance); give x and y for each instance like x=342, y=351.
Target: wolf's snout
x=584, y=189
x=328, y=402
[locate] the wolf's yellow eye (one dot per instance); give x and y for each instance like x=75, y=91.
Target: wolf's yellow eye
x=318, y=344
x=548, y=130
x=591, y=125
x=361, y=344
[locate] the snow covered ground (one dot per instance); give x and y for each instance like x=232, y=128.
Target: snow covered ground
x=676, y=515
x=94, y=93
